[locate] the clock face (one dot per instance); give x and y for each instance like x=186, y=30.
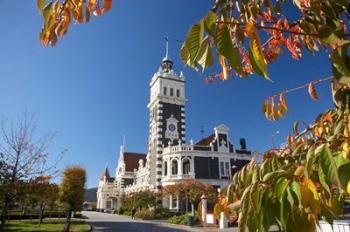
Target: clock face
x=171, y=127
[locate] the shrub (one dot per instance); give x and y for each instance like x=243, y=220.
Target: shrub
x=181, y=220
x=162, y=213
x=120, y=211
x=145, y=214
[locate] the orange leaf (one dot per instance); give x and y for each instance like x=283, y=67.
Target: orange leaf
x=107, y=5
x=312, y=91
x=283, y=105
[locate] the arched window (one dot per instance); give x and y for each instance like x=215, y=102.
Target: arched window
x=165, y=168
x=171, y=91
x=186, y=166
x=174, y=167
x=164, y=90
x=177, y=93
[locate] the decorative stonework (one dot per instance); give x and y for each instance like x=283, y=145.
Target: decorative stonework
x=213, y=160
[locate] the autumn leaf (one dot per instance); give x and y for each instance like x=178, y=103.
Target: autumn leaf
x=283, y=105
x=312, y=91
x=257, y=56
x=41, y=4
x=107, y=6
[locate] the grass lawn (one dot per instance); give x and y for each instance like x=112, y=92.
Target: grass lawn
x=48, y=225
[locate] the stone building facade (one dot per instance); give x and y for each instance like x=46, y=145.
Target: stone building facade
x=212, y=160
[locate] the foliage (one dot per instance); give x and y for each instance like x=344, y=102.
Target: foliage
x=57, y=16
x=249, y=35
x=23, y=158
x=47, y=226
x=182, y=219
x=295, y=184
x=308, y=177
x=72, y=190
x=145, y=213
x=162, y=213
x=72, y=187
x=192, y=190
x=139, y=200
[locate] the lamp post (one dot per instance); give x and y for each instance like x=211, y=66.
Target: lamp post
x=272, y=138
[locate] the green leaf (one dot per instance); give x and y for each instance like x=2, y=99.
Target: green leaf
x=194, y=40
x=310, y=160
x=210, y=23
x=259, y=68
x=344, y=174
x=185, y=56
x=47, y=12
x=328, y=166
x=205, y=55
x=41, y=5
x=240, y=34
x=328, y=37
x=340, y=68
x=281, y=186
x=273, y=176
x=295, y=188
x=226, y=48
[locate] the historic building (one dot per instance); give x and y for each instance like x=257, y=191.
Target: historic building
x=212, y=160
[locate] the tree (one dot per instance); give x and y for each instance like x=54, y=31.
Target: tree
x=23, y=156
x=140, y=200
x=191, y=191
x=72, y=190
x=57, y=16
x=44, y=193
x=309, y=176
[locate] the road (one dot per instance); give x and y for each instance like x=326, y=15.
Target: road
x=110, y=222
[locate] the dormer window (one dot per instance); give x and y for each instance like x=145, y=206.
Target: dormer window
x=171, y=91
x=164, y=91
x=177, y=93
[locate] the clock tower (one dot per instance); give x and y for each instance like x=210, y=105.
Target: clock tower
x=167, y=115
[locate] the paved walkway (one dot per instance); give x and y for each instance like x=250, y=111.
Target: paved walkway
x=111, y=222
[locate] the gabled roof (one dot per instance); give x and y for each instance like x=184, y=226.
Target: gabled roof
x=105, y=174
x=206, y=141
x=131, y=160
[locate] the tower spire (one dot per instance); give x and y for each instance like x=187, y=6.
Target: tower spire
x=167, y=47
x=167, y=63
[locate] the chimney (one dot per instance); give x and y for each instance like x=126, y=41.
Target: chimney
x=243, y=144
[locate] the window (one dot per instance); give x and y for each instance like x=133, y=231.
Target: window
x=224, y=168
x=171, y=91
x=177, y=93
x=165, y=168
x=109, y=204
x=174, y=167
x=164, y=91
x=173, y=201
x=186, y=167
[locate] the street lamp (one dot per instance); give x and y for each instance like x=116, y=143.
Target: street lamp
x=272, y=138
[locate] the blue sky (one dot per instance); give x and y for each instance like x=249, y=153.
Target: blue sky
x=94, y=86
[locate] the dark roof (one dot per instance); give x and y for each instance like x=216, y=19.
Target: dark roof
x=131, y=160
x=105, y=174
x=206, y=141
x=243, y=152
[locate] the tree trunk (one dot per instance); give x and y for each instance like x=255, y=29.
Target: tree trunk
x=67, y=223
x=42, y=207
x=4, y=214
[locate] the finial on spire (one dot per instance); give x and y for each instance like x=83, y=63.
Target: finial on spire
x=124, y=140
x=167, y=47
